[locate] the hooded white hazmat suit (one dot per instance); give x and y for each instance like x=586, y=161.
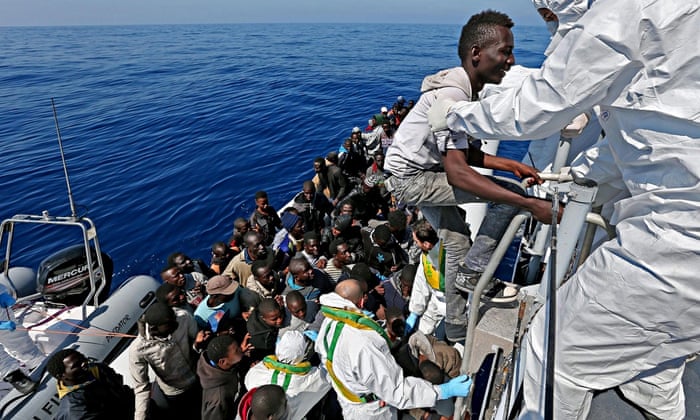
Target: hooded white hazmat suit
x=363, y=363
x=629, y=315
x=542, y=152
x=15, y=345
x=427, y=298
x=304, y=390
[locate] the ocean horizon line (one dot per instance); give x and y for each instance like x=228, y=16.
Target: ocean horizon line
x=393, y=24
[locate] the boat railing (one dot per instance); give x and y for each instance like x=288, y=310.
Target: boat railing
x=581, y=194
x=90, y=240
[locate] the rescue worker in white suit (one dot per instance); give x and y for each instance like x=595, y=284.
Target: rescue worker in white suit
x=305, y=385
x=427, y=304
x=584, y=131
x=354, y=350
x=629, y=316
x=18, y=347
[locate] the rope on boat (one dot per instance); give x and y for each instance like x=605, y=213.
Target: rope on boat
x=48, y=318
x=84, y=330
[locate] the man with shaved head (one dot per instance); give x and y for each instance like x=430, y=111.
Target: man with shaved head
x=368, y=381
x=269, y=402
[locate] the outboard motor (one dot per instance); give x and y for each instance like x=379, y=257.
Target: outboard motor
x=64, y=276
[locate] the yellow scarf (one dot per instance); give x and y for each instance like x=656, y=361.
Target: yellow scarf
x=435, y=276
x=355, y=319
x=64, y=390
x=288, y=370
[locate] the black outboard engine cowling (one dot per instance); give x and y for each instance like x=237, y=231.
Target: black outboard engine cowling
x=64, y=277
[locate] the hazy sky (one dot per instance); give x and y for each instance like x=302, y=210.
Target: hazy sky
x=121, y=12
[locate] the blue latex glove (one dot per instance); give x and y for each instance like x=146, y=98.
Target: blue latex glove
x=313, y=335
x=411, y=322
x=6, y=300
x=457, y=387
x=7, y=325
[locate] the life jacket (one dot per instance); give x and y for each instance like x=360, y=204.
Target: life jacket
x=435, y=275
x=285, y=369
x=355, y=320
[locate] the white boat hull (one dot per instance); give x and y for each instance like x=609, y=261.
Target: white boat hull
x=117, y=315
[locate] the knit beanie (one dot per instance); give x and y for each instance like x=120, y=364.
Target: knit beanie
x=289, y=220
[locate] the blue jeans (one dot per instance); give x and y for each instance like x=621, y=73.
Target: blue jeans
x=438, y=201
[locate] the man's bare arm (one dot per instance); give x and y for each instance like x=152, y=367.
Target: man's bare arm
x=464, y=177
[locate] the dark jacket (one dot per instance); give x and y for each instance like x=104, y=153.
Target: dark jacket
x=320, y=285
x=262, y=336
x=313, y=211
x=337, y=183
x=367, y=205
x=219, y=390
x=105, y=398
x=266, y=224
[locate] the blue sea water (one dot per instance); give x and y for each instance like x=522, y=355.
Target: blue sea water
x=168, y=131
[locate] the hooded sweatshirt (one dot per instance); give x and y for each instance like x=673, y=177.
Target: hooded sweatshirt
x=219, y=390
x=415, y=148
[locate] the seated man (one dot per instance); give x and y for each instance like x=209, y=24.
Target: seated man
x=376, y=169
x=174, y=297
x=263, y=326
x=341, y=261
x=191, y=287
x=297, y=314
x=385, y=258
x=309, y=281
x=289, y=368
x=221, y=255
x=289, y=240
x=343, y=228
x=397, y=290
x=372, y=287
x=432, y=168
x=367, y=201
x=313, y=207
x=220, y=303
x=312, y=252
x=351, y=158
x=264, y=280
x=240, y=227
x=197, y=268
x=88, y=390
x=255, y=249
x=338, y=185
x=264, y=219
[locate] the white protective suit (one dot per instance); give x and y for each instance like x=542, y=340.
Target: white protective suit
x=304, y=390
x=17, y=347
x=427, y=301
x=364, y=364
x=541, y=152
x=630, y=314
